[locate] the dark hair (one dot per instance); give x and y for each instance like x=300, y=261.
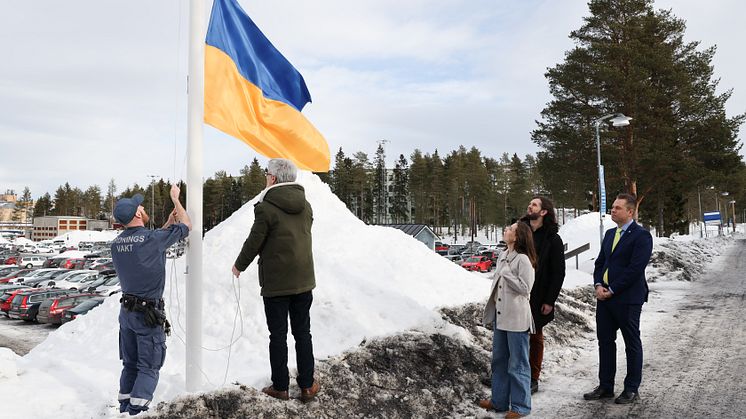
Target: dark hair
x=630, y=199
x=546, y=204
x=524, y=242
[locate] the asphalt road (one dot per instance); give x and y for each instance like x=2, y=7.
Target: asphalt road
x=695, y=357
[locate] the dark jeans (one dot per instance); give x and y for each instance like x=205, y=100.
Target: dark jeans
x=610, y=317
x=277, y=309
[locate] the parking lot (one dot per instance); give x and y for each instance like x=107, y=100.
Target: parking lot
x=20, y=336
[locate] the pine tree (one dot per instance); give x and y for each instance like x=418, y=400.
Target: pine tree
x=379, y=185
x=632, y=59
x=43, y=206
x=253, y=181
x=400, y=209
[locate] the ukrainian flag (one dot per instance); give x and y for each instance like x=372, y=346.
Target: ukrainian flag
x=254, y=94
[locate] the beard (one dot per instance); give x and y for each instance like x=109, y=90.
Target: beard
x=145, y=218
x=531, y=216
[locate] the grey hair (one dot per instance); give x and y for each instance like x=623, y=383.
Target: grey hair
x=282, y=169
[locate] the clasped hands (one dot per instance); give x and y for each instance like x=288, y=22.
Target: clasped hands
x=603, y=293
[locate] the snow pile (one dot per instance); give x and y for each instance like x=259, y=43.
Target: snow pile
x=72, y=254
x=683, y=258
x=371, y=282
x=73, y=238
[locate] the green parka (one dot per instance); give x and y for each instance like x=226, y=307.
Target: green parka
x=281, y=236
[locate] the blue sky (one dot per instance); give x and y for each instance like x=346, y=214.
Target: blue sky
x=95, y=90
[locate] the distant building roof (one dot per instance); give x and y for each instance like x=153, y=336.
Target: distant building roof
x=411, y=229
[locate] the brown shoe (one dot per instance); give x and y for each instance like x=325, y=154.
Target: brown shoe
x=271, y=392
x=486, y=404
x=513, y=415
x=308, y=394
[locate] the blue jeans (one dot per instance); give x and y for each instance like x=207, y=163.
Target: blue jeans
x=511, y=372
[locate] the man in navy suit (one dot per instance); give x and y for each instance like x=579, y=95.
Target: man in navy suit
x=621, y=290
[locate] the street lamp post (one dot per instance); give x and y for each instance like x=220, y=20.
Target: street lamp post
x=732, y=202
x=617, y=120
x=701, y=215
x=725, y=208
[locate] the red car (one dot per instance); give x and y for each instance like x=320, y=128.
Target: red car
x=73, y=263
x=51, y=310
x=7, y=297
x=478, y=263
x=11, y=260
x=439, y=246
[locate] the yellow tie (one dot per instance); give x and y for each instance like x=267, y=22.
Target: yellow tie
x=613, y=246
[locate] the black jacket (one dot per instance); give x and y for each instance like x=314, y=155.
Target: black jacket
x=550, y=272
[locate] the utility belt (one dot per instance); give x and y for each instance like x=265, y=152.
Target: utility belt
x=155, y=314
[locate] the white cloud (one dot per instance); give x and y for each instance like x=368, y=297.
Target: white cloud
x=93, y=90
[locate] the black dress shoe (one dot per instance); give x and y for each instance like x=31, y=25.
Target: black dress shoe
x=598, y=393
x=626, y=397
x=534, y=386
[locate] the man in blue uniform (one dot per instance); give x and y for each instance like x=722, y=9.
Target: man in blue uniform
x=139, y=257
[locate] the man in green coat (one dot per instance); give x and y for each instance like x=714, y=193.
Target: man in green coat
x=281, y=236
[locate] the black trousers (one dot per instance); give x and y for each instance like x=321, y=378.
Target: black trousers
x=610, y=317
x=277, y=310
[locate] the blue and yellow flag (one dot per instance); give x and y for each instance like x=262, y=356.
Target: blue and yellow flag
x=253, y=93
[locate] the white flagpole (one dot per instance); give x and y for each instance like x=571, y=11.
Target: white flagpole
x=195, y=111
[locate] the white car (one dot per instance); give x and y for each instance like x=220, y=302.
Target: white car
x=31, y=261
x=42, y=248
x=74, y=280
x=106, y=286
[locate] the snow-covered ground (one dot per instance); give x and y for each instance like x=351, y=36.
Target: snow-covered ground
x=372, y=282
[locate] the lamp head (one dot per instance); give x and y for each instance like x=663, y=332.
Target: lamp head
x=620, y=120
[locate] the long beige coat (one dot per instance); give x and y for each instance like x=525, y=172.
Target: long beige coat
x=508, y=304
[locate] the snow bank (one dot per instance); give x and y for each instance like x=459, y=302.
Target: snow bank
x=371, y=281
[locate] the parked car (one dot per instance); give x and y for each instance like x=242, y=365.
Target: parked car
x=42, y=248
x=25, y=304
x=7, y=297
x=478, y=263
x=457, y=259
x=39, y=276
x=106, y=266
x=54, y=262
x=8, y=275
x=25, y=248
x=73, y=280
x=11, y=260
x=108, y=286
x=31, y=261
x=456, y=249
x=6, y=270
x=472, y=245
x=440, y=246
x=51, y=309
x=492, y=254
x=92, y=263
x=81, y=309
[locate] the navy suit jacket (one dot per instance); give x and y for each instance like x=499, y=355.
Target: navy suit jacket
x=626, y=264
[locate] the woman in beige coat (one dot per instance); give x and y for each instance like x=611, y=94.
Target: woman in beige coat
x=508, y=313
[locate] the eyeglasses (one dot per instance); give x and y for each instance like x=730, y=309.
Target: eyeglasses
x=266, y=173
